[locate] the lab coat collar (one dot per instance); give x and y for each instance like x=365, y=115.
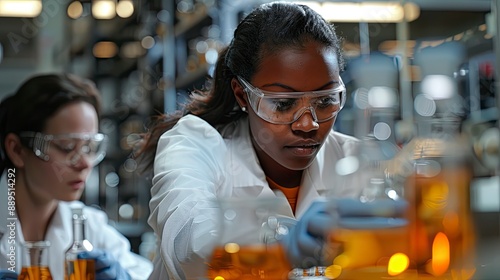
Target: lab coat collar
x=248, y=178
x=247, y=175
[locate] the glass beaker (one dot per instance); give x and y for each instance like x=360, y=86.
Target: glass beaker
x=35, y=261
x=441, y=226
x=247, y=247
x=372, y=241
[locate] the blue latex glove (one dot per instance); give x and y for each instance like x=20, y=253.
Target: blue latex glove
x=6, y=274
x=105, y=265
x=305, y=241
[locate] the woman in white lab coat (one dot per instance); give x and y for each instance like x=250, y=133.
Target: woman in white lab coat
x=49, y=145
x=264, y=125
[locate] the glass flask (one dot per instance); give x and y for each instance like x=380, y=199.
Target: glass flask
x=364, y=247
x=75, y=268
x=247, y=246
x=35, y=262
x=435, y=170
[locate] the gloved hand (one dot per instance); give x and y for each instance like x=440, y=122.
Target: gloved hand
x=105, y=265
x=305, y=241
x=6, y=274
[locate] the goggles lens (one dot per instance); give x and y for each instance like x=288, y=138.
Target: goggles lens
x=287, y=107
x=67, y=148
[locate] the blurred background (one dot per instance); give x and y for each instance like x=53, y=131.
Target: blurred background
x=146, y=56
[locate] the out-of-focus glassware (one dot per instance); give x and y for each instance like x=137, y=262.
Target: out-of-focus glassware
x=438, y=172
x=35, y=261
x=437, y=180
x=378, y=248
x=248, y=247
x=75, y=268
x=375, y=246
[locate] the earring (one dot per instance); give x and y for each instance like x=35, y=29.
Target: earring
x=244, y=108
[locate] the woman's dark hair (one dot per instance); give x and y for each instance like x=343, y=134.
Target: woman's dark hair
x=38, y=99
x=267, y=30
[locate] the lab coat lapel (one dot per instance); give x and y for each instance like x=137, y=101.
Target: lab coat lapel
x=60, y=229
x=310, y=189
x=248, y=178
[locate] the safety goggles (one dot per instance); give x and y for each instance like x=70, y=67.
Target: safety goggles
x=67, y=148
x=288, y=107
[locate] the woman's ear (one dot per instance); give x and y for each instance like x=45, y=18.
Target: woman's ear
x=239, y=93
x=14, y=150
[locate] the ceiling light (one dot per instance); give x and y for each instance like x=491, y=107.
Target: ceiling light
x=105, y=49
x=365, y=11
x=104, y=9
x=125, y=8
x=75, y=10
x=20, y=8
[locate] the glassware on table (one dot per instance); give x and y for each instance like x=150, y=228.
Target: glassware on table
x=248, y=247
x=35, y=261
x=442, y=230
x=75, y=268
x=378, y=248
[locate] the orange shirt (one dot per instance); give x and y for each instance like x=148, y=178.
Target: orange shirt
x=291, y=194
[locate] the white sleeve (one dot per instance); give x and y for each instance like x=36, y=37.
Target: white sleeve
x=106, y=237
x=188, y=171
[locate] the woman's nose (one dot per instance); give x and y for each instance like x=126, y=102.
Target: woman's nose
x=80, y=161
x=307, y=121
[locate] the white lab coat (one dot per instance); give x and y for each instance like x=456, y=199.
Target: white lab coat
x=196, y=163
x=60, y=234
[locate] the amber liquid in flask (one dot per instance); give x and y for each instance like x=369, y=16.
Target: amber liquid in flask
x=246, y=247
x=75, y=268
x=35, y=273
x=35, y=261
x=442, y=231
x=249, y=262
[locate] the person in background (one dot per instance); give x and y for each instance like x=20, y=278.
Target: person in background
x=49, y=145
x=265, y=125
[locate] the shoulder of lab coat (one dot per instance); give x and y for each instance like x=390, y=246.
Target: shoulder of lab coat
x=188, y=176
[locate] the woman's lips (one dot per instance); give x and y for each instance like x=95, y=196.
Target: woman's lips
x=76, y=185
x=303, y=150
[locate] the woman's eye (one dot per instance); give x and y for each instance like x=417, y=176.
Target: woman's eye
x=284, y=104
x=327, y=101
x=65, y=147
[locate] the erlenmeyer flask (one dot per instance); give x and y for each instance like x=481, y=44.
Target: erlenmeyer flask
x=35, y=261
x=247, y=247
x=76, y=268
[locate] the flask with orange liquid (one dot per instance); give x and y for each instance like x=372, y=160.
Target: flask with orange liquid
x=247, y=248
x=35, y=264
x=75, y=268
x=371, y=242
x=442, y=231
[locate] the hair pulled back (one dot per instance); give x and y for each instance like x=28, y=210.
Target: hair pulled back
x=267, y=30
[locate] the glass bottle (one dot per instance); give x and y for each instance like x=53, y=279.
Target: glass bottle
x=75, y=268
x=35, y=264
x=246, y=246
x=442, y=231
x=365, y=248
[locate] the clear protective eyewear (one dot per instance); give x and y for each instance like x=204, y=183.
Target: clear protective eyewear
x=288, y=107
x=67, y=148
